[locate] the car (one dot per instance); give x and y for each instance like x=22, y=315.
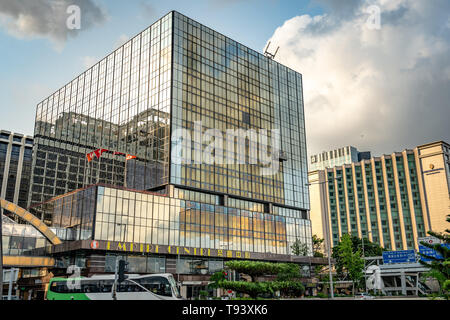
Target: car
x=364, y=296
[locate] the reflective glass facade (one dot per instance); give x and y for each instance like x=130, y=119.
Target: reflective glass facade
x=19, y=239
x=188, y=219
x=226, y=85
x=73, y=213
x=168, y=77
x=136, y=264
x=121, y=104
x=172, y=74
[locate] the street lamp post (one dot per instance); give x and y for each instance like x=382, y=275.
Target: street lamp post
x=178, y=269
x=329, y=244
x=330, y=273
x=364, y=259
x=114, y=289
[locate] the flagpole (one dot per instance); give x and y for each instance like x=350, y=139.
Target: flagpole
x=90, y=171
x=125, y=182
x=86, y=173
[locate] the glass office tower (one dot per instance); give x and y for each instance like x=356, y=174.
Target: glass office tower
x=171, y=76
x=121, y=104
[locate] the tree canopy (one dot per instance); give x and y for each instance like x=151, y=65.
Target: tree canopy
x=371, y=249
x=257, y=268
x=317, y=246
x=349, y=262
x=287, y=278
x=299, y=248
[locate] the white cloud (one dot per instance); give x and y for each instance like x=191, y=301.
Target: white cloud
x=380, y=90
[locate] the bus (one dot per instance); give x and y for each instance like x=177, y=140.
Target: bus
x=100, y=287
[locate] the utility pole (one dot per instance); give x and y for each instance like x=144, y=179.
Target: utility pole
x=364, y=269
x=329, y=263
x=178, y=268
x=322, y=185
x=364, y=260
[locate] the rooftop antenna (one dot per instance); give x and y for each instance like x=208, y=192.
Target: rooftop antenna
x=268, y=54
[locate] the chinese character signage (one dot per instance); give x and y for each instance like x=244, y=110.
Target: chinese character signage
x=401, y=256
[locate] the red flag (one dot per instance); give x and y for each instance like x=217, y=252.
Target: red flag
x=99, y=152
x=90, y=156
x=129, y=157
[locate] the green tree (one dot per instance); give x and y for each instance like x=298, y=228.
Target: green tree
x=299, y=248
x=288, y=272
x=255, y=268
x=348, y=262
x=253, y=289
x=439, y=267
x=203, y=294
x=287, y=280
x=318, y=252
x=371, y=249
x=317, y=246
x=216, y=278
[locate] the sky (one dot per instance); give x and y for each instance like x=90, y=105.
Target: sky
x=376, y=73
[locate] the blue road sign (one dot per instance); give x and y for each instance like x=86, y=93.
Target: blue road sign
x=400, y=256
x=431, y=252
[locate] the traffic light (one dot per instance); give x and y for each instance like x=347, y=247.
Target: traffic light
x=122, y=268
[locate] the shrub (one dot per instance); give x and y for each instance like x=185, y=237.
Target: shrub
x=253, y=289
x=203, y=294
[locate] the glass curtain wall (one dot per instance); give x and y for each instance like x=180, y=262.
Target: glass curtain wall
x=121, y=104
x=225, y=85
x=141, y=217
